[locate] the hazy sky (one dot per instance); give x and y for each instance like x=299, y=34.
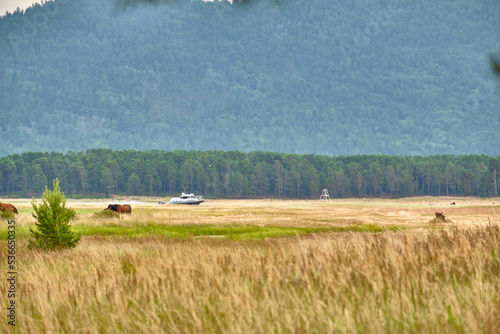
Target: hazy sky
x=11, y=5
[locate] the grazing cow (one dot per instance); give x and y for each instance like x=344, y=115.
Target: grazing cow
x=440, y=215
x=7, y=206
x=120, y=208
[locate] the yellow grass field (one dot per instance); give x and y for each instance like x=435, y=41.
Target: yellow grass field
x=408, y=212
x=400, y=274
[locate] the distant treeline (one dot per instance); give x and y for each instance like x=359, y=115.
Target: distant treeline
x=235, y=174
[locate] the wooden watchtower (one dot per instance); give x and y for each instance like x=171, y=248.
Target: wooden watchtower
x=324, y=195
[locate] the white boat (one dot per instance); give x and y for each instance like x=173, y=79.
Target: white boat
x=187, y=199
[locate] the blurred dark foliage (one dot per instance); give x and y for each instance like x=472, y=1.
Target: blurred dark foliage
x=495, y=63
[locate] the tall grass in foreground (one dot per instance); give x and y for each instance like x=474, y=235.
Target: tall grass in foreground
x=443, y=282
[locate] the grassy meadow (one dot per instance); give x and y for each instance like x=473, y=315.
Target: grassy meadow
x=263, y=266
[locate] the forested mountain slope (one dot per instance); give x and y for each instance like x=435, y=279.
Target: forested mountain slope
x=320, y=76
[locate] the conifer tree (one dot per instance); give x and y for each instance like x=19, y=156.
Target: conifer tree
x=53, y=229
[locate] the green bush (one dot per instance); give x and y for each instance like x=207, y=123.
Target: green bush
x=53, y=229
x=7, y=214
x=104, y=214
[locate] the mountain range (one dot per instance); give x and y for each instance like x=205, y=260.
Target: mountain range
x=320, y=76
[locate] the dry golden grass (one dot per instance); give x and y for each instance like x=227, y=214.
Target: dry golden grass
x=417, y=280
x=406, y=213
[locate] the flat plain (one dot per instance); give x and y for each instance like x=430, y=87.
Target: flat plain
x=260, y=266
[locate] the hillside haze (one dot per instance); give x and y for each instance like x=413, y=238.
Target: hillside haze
x=321, y=76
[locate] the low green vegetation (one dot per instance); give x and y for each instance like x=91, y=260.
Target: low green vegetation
x=6, y=214
x=234, y=232
x=105, y=214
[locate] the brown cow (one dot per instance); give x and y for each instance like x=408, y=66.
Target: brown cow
x=440, y=215
x=120, y=208
x=7, y=206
